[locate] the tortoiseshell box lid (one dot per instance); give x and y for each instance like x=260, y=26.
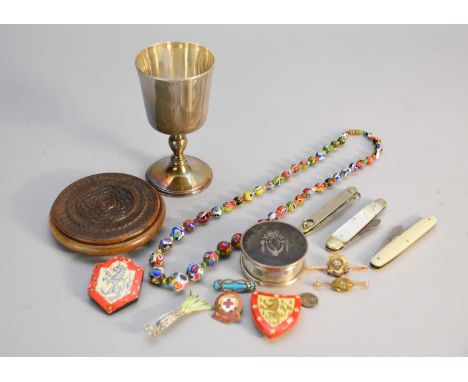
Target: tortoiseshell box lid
x=115, y=283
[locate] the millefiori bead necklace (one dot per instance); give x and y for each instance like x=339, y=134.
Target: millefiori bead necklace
x=178, y=281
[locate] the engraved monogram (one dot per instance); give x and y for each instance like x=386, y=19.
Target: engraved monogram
x=274, y=243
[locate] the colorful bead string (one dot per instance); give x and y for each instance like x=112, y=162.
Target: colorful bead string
x=179, y=281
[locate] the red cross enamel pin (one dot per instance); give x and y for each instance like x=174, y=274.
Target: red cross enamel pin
x=228, y=307
x=115, y=283
x=275, y=314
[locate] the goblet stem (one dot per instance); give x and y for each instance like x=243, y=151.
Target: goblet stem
x=178, y=143
x=179, y=175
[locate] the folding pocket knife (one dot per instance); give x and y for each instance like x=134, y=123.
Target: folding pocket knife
x=330, y=210
x=402, y=242
x=361, y=223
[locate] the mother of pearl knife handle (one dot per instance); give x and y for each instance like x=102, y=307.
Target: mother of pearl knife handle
x=401, y=242
x=356, y=226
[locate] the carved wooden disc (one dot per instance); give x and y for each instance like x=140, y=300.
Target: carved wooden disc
x=106, y=214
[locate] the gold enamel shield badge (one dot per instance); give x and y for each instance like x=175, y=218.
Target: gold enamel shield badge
x=275, y=314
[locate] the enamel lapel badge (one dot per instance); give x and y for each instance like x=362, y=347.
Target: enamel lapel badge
x=115, y=283
x=228, y=307
x=275, y=314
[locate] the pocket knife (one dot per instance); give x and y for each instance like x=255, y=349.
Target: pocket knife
x=402, y=242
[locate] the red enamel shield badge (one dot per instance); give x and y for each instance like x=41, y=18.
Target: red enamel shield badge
x=115, y=283
x=275, y=314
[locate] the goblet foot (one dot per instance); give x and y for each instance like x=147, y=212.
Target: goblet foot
x=179, y=180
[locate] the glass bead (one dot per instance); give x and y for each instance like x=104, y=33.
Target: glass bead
x=345, y=172
x=353, y=167
x=335, y=144
x=337, y=176
x=290, y=206
x=286, y=174
x=236, y=240
x=294, y=167
x=165, y=244
x=360, y=164
x=259, y=190
x=330, y=181
x=228, y=206
x=311, y=160
x=216, y=212
x=210, y=259
x=327, y=149
x=156, y=259
x=370, y=160
x=277, y=180
x=238, y=200
x=248, y=196
x=299, y=200
x=320, y=187
x=320, y=155
x=342, y=140
x=272, y=216
x=177, y=233
x=189, y=225
x=281, y=210
x=270, y=185
x=225, y=248
x=194, y=272
x=303, y=164
x=177, y=281
x=203, y=217
x=308, y=192
x=157, y=275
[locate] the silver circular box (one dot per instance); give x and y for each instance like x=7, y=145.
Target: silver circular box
x=273, y=254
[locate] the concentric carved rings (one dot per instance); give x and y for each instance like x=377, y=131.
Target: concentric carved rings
x=106, y=209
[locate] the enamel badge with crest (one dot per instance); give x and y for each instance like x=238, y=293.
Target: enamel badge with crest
x=115, y=283
x=275, y=314
x=228, y=307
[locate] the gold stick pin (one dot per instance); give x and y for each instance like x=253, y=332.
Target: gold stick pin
x=341, y=284
x=337, y=265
